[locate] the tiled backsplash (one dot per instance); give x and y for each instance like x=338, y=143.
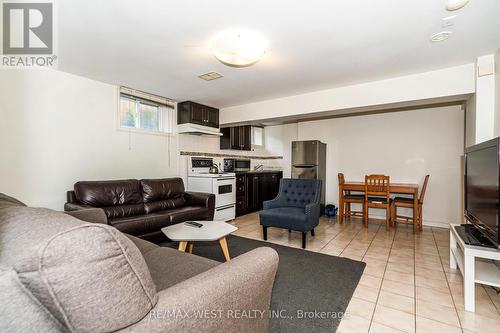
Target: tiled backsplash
x=192, y=145
x=254, y=157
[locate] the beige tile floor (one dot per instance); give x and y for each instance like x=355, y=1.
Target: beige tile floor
x=407, y=285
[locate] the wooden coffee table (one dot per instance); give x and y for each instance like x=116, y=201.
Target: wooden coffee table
x=209, y=232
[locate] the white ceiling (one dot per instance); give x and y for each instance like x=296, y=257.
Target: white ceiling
x=162, y=46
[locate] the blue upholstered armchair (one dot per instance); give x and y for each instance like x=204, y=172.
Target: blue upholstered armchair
x=297, y=207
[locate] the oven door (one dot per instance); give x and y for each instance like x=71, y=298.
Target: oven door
x=224, y=190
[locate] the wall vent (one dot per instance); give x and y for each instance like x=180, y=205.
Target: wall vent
x=210, y=76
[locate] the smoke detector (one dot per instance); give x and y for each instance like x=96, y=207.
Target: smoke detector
x=441, y=36
x=448, y=21
x=210, y=76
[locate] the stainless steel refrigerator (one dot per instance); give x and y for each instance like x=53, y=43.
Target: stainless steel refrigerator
x=309, y=162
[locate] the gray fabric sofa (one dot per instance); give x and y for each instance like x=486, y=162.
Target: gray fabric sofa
x=61, y=274
x=297, y=207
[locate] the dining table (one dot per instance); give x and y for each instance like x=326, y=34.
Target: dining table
x=394, y=188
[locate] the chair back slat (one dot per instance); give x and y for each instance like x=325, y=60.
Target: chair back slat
x=424, y=187
x=341, y=178
x=377, y=185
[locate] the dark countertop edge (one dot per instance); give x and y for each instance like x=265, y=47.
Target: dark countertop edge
x=263, y=171
x=196, y=153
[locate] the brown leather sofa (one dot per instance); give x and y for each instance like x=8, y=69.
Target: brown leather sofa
x=142, y=207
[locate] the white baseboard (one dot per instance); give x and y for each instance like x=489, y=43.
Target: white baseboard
x=437, y=224
x=427, y=223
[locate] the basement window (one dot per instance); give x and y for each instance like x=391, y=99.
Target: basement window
x=145, y=112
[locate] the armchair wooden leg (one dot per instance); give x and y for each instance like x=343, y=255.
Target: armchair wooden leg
x=264, y=232
x=304, y=235
x=312, y=232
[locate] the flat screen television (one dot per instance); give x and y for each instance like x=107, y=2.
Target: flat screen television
x=482, y=188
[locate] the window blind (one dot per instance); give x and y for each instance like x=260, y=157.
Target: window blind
x=169, y=103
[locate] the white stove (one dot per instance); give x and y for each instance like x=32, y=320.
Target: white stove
x=213, y=175
x=223, y=185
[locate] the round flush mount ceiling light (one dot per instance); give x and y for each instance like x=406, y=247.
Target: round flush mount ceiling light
x=238, y=48
x=452, y=5
x=441, y=36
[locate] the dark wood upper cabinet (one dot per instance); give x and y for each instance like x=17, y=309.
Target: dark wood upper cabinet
x=246, y=137
x=236, y=138
x=225, y=139
x=191, y=112
x=212, y=116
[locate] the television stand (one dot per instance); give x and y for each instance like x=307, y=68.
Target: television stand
x=483, y=270
x=472, y=236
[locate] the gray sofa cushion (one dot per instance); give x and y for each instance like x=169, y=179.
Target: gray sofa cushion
x=21, y=312
x=6, y=201
x=143, y=245
x=164, y=264
x=97, y=278
x=89, y=276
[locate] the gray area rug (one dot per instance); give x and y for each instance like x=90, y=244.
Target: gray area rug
x=307, y=283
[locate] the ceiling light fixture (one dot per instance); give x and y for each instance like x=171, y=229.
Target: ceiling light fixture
x=238, y=48
x=441, y=36
x=452, y=5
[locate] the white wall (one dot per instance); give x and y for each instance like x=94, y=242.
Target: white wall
x=57, y=128
x=278, y=142
x=497, y=93
x=404, y=145
x=445, y=83
x=485, y=98
x=470, y=121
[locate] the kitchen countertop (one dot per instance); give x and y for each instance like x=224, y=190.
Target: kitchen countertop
x=258, y=171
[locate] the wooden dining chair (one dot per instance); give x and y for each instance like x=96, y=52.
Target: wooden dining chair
x=350, y=198
x=408, y=203
x=377, y=195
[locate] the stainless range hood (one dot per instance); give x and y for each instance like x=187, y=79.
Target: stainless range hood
x=190, y=128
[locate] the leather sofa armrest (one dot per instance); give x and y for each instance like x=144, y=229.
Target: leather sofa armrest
x=202, y=199
x=209, y=301
x=70, y=206
x=94, y=215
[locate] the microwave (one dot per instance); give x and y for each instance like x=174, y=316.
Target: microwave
x=236, y=164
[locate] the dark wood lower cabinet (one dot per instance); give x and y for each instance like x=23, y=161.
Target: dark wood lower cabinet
x=254, y=192
x=270, y=185
x=253, y=188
